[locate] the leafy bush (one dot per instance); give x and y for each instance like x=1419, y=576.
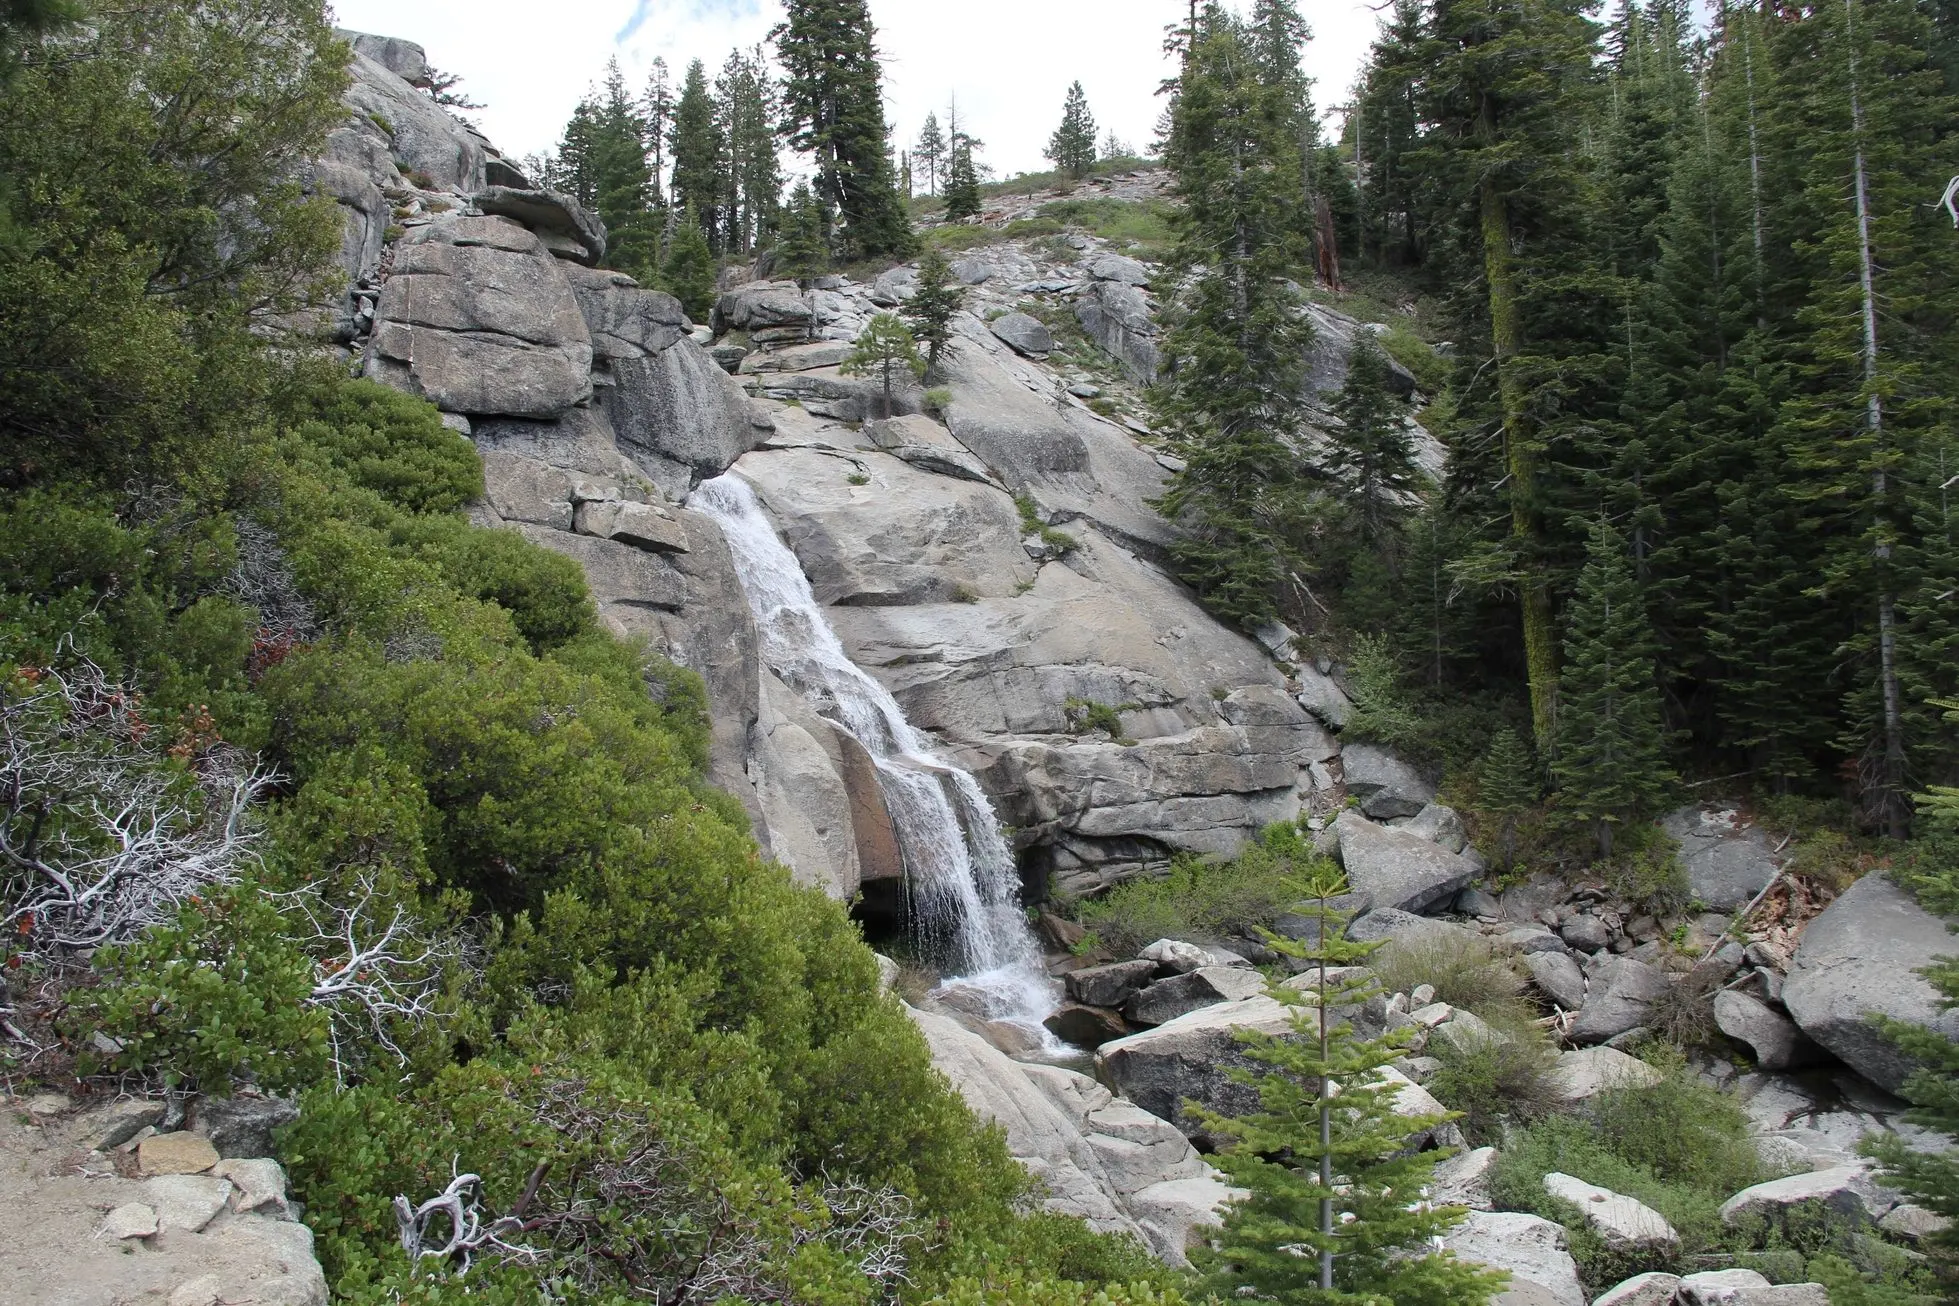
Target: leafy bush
x=1383, y=709
x=1204, y=900
x=1497, y=1083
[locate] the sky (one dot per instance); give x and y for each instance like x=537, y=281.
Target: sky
x=1009, y=62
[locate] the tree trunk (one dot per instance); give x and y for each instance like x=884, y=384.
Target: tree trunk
x=1520, y=457
x=1891, y=801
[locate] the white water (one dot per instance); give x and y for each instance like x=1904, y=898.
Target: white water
x=959, y=873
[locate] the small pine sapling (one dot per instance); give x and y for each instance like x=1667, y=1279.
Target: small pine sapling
x=687, y=272
x=930, y=311
x=1335, y=1211
x=884, y=349
x=1508, y=787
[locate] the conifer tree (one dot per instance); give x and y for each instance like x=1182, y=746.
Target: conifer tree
x=833, y=108
x=803, y=250
x=931, y=150
x=930, y=310
x=1331, y=1213
x=1072, y=147
x=962, y=196
x=1610, y=766
x=656, y=105
x=1370, y=454
x=1507, y=786
x=1233, y=394
x=886, y=350
x=687, y=271
x=700, y=151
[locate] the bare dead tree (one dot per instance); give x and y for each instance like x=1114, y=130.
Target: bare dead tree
x=374, y=979
x=1950, y=200
x=640, y=1212
x=101, y=836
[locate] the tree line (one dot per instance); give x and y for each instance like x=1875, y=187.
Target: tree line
x=1699, y=402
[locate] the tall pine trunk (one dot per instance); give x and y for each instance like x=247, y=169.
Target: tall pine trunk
x=1506, y=341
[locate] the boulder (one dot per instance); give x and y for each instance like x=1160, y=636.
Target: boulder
x=130, y=1220
x=1775, y=1040
x=1527, y=939
x=894, y=287
x=1727, y=860
x=1085, y=1026
x=1479, y=902
x=1585, y=1073
x=423, y=138
x=972, y=271
x=1441, y=826
x=478, y=319
x=1027, y=334
x=186, y=1201
x=1176, y=956
x=241, y=1126
x=1190, y=1058
x=1402, y=927
x=1386, y=786
x=1465, y=1031
x=1747, y=1288
x=642, y=525
x=624, y=319
x=1623, y=1223
x=258, y=1184
x=679, y=407
x=578, y=234
x=176, y=1153
x=1327, y=358
x=1464, y=1179
x=1654, y=1289
x=763, y=304
x=1620, y=994
x=1110, y=985
x=1118, y=267
x=1585, y=932
x=112, y=1125
x=1847, y=1193
x=1398, y=870
x=1558, y=978
x=1101, y=1160
x=1168, y=999
x=1862, y=957
x=1531, y=1248
x=1322, y=697
x=1304, y=928
x=1913, y=1224
x=1117, y=317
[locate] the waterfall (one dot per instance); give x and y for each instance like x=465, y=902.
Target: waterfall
x=959, y=872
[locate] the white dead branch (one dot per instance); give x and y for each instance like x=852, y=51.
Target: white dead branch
x=100, y=837
x=1950, y=200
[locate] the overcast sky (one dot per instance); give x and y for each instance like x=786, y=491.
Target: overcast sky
x=1008, y=61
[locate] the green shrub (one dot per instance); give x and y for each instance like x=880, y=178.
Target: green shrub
x=1086, y=716
x=1204, y=900
x=390, y=443
x=1059, y=542
x=1414, y=353
x=1497, y=1083
x=1384, y=711
x=1465, y=973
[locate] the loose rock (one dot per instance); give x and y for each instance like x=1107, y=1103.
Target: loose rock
x=1776, y=1041
x=1621, y=993
x=1624, y=1223
x=1847, y=1192
x=1558, y=977
x=176, y=1154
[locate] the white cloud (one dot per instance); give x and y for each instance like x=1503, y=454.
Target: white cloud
x=1008, y=61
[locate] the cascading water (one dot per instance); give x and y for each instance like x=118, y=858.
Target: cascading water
x=959, y=872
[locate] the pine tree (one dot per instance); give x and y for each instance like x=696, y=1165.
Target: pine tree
x=1232, y=396
x=962, y=196
x=1610, y=766
x=700, y=151
x=931, y=151
x=833, y=108
x=1331, y=1214
x=930, y=310
x=885, y=349
x=1072, y=147
x=803, y=251
x=1507, y=786
x=1371, y=454
x=687, y=273
x=656, y=107
x=745, y=111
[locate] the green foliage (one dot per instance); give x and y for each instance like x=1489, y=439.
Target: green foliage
x=1060, y=543
x=688, y=272
x=1370, y=454
x=1464, y=973
x=1508, y=786
x=962, y=194
x=387, y=442
x=930, y=310
x=885, y=349
x=1085, y=716
x=1327, y=1217
x=1610, y=766
x=1383, y=710
x=1072, y=147
x=1204, y=900
x=803, y=250
x=1497, y=1084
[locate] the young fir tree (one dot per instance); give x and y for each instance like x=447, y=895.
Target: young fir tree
x=1233, y=391
x=1507, y=786
x=687, y=272
x=1610, y=765
x=833, y=108
x=1332, y=1214
x=802, y=253
x=886, y=350
x=1072, y=147
x=962, y=195
x=929, y=311
x=699, y=155
x=1370, y=454
x=931, y=151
